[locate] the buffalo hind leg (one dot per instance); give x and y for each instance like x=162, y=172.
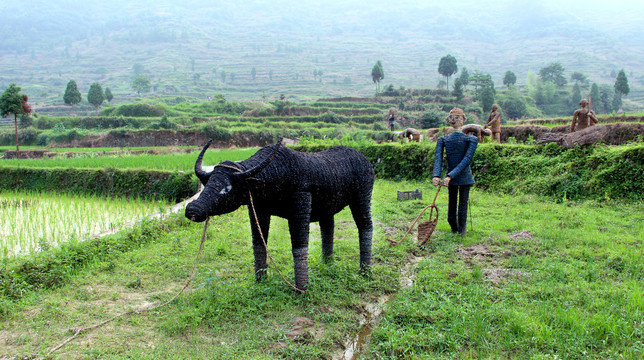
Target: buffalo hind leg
x=326, y=229
x=361, y=211
x=259, y=251
x=298, y=225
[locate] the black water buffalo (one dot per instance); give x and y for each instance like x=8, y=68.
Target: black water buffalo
x=300, y=187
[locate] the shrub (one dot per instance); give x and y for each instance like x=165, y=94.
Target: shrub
x=217, y=133
x=137, y=110
x=330, y=117
x=432, y=118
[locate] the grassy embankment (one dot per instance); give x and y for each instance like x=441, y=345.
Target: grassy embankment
x=531, y=279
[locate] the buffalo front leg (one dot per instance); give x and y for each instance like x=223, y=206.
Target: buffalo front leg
x=298, y=225
x=361, y=211
x=326, y=229
x=259, y=250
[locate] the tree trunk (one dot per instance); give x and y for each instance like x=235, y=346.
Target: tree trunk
x=15, y=122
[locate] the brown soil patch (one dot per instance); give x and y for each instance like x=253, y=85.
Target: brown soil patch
x=477, y=252
x=303, y=330
x=490, y=260
x=523, y=235
x=498, y=274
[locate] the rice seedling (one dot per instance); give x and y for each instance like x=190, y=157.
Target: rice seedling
x=36, y=221
x=161, y=162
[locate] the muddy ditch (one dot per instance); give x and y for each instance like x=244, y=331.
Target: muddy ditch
x=485, y=256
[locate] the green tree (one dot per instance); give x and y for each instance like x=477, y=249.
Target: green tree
x=377, y=74
x=617, y=101
x=141, y=84
x=513, y=105
x=95, y=95
x=458, y=89
x=223, y=76
x=108, y=95
x=575, y=98
x=606, y=94
x=13, y=102
x=465, y=77
x=549, y=90
x=138, y=69
x=594, y=96
x=621, y=84
x=447, y=67
x=270, y=75
x=509, y=79
x=72, y=96
x=432, y=118
x=579, y=78
x=487, y=98
x=253, y=73
x=554, y=74
x=480, y=80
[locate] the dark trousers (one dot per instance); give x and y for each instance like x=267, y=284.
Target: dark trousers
x=458, y=197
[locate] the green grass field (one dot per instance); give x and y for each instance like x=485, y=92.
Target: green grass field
x=532, y=279
x=163, y=162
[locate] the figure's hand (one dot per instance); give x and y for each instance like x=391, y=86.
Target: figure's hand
x=436, y=181
x=447, y=180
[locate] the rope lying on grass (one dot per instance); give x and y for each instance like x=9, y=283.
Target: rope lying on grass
x=80, y=330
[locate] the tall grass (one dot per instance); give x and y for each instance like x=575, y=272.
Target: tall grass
x=36, y=221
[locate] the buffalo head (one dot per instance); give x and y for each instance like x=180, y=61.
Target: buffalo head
x=225, y=187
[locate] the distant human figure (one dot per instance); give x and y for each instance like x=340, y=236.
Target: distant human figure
x=459, y=150
x=583, y=118
x=494, y=123
x=391, y=117
x=410, y=134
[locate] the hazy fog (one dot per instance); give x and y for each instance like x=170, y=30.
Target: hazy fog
x=68, y=38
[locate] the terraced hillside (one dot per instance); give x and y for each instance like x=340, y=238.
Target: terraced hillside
x=198, y=49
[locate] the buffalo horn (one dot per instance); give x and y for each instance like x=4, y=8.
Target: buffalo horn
x=202, y=175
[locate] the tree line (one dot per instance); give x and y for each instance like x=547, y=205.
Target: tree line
x=545, y=93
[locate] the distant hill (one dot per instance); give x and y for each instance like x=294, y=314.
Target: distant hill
x=201, y=48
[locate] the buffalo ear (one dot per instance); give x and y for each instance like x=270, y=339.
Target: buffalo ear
x=251, y=183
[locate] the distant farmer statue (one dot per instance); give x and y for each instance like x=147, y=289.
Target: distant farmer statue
x=494, y=123
x=459, y=149
x=410, y=134
x=391, y=118
x=583, y=118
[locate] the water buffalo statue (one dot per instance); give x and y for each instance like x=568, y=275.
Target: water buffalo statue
x=300, y=187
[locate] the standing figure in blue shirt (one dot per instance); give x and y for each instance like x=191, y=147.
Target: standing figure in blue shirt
x=459, y=150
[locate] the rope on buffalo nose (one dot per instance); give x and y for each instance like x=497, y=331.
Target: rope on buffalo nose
x=79, y=330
